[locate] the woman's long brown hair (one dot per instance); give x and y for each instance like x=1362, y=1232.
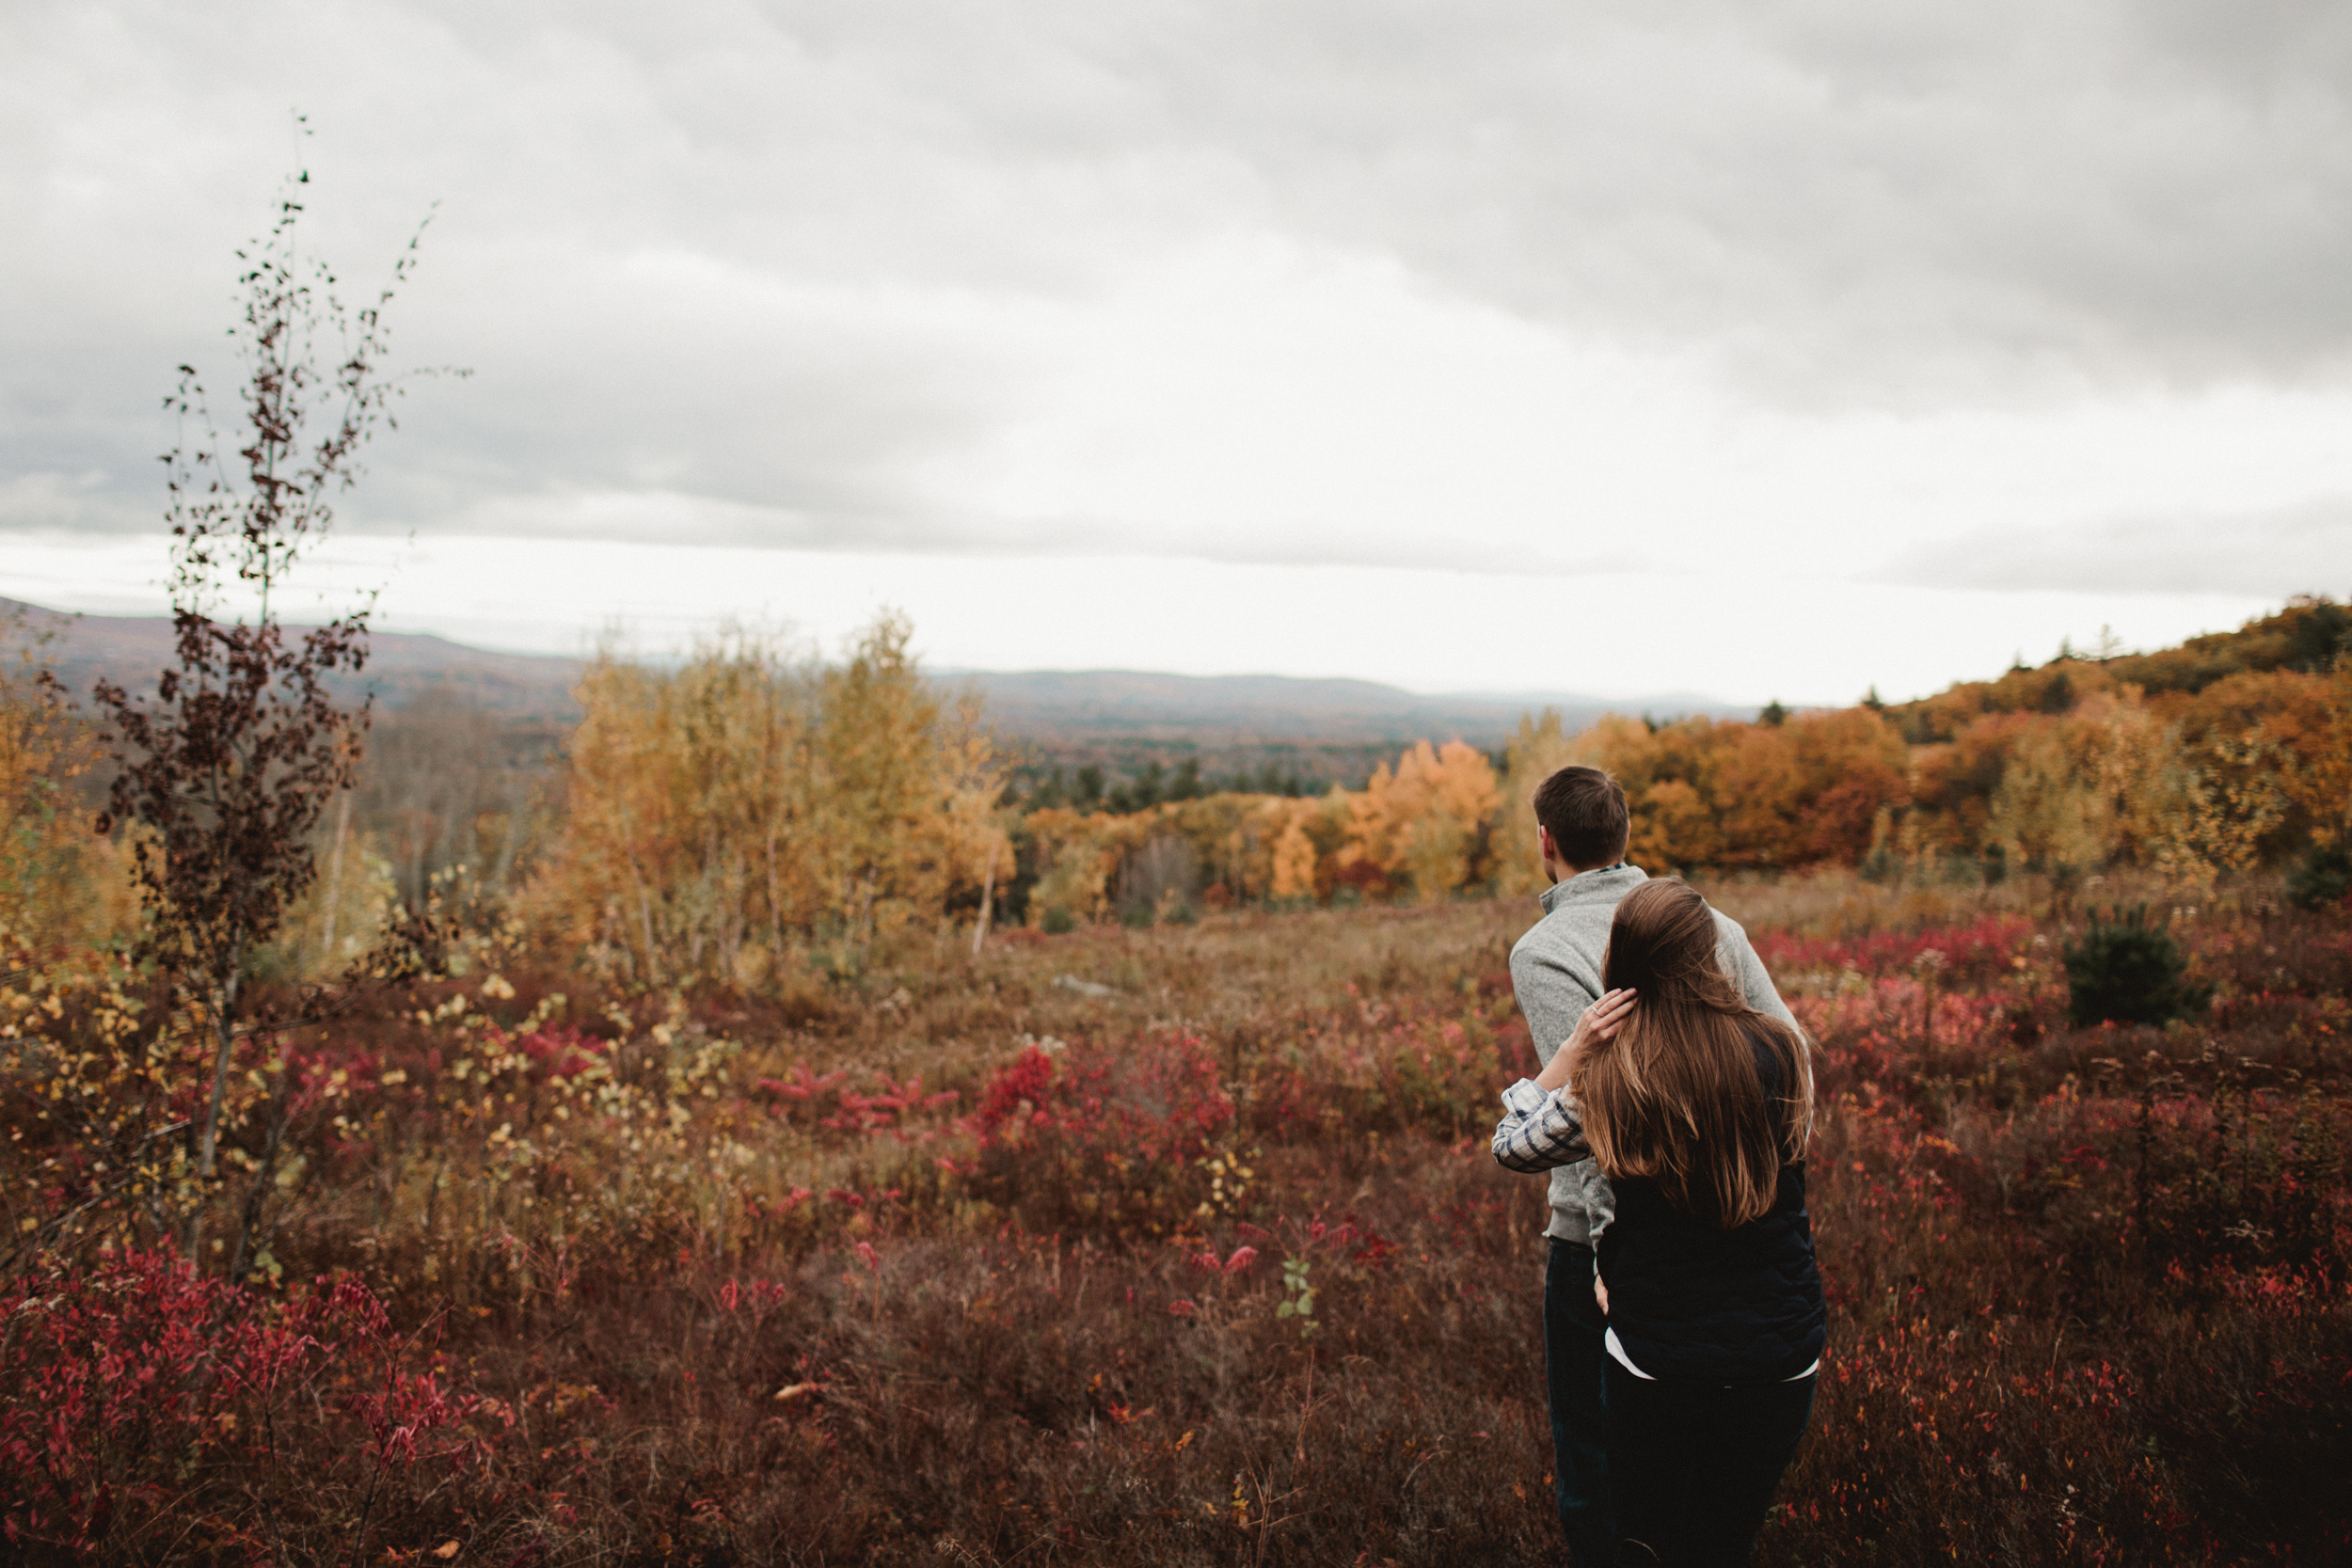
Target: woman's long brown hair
x=1675, y=1097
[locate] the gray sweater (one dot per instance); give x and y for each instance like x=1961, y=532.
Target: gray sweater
x=1556, y=972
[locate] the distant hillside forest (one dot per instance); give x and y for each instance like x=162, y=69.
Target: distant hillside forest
x=743, y=817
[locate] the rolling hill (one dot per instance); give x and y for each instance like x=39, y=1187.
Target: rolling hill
x=1114, y=716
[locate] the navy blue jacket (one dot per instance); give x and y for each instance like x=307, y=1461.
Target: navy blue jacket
x=1694, y=1304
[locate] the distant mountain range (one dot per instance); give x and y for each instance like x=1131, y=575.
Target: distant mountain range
x=1081, y=714
x=1245, y=710
x=402, y=667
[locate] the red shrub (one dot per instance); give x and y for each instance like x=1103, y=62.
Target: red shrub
x=131, y=1391
x=1084, y=1138
x=559, y=1052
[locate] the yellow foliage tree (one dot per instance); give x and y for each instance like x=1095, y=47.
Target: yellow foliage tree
x=743, y=812
x=1292, y=874
x=2320, y=780
x=1535, y=752
x=1425, y=818
x=1077, y=854
x=2108, y=782
x=62, y=885
x=2047, y=812
x=904, y=790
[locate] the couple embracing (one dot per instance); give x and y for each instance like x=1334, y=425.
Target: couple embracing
x=1683, y=1319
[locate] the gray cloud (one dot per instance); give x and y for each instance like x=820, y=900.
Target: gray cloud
x=2303, y=550
x=764, y=256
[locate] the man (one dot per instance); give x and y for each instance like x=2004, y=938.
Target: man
x=1581, y=830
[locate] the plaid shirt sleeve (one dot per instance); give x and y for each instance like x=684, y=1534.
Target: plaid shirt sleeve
x=1538, y=1130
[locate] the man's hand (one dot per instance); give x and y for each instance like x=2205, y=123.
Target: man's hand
x=1600, y=1294
x=1600, y=1021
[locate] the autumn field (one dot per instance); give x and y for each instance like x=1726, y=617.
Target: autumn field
x=1181, y=1244
x=773, y=1133
x=768, y=1111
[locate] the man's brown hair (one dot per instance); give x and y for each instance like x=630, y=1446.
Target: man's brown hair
x=1677, y=1096
x=1584, y=811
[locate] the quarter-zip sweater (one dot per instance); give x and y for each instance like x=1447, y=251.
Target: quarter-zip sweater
x=1555, y=974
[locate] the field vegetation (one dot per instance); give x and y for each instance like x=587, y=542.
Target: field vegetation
x=1174, y=1246
x=706, y=1180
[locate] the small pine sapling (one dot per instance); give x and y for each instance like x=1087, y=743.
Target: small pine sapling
x=2123, y=970
x=2321, y=878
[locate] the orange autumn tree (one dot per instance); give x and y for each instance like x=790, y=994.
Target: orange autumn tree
x=1704, y=793
x=2319, y=781
x=2281, y=745
x=1425, y=820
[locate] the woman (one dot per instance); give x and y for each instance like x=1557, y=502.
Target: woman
x=1699, y=1109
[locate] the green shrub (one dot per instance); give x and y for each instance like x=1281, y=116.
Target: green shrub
x=2125, y=971
x=2321, y=878
x=1059, y=921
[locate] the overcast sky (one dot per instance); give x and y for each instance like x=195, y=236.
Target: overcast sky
x=1747, y=348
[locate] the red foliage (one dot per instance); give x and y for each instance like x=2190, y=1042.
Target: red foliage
x=1976, y=952
x=1157, y=1101
x=1090, y=1139
x=559, y=1051
x=1019, y=1087
x=1837, y=827
x=123, y=1385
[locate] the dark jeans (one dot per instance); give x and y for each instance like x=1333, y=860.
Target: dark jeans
x=1573, y=1360
x=1692, y=1465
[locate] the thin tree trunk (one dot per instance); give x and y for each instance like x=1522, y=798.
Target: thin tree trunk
x=335, y=878
x=645, y=899
x=223, y=1003
x=775, y=898
x=988, y=894
x=282, y=1113
x=518, y=802
x=645, y=914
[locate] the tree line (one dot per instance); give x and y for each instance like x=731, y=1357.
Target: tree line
x=747, y=816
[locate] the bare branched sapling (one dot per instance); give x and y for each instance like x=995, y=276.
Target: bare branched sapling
x=227, y=766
